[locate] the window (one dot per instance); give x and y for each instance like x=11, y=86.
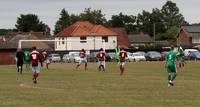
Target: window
x=59, y=41
x=105, y=38
x=63, y=42
x=195, y=39
x=83, y=40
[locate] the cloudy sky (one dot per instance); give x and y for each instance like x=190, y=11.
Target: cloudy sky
x=48, y=10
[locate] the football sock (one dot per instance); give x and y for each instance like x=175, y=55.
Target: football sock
x=47, y=66
x=173, y=76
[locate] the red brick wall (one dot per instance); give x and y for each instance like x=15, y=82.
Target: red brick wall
x=184, y=40
x=7, y=57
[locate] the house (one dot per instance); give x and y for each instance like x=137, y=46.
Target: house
x=9, y=47
x=140, y=39
x=83, y=34
x=122, y=38
x=189, y=36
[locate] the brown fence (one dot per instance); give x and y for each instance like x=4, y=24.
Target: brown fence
x=7, y=57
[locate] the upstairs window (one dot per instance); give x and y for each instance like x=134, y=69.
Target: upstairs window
x=63, y=42
x=105, y=38
x=83, y=39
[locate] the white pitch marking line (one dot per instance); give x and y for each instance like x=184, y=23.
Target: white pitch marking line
x=36, y=87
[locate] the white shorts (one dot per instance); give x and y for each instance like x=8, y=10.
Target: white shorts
x=46, y=61
x=102, y=63
x=121, y=63
x=36, y=69
x=82, y=60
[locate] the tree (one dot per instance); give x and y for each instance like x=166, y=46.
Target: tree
x=30, y=22
x=171, y=15
x=74, y=18
x=144, y=22
x=93, y=16
x=63, y=22
x=172, y=33
x=5, y=31
x=121, y=20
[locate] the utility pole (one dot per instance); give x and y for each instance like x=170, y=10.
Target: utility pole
x=154, y=33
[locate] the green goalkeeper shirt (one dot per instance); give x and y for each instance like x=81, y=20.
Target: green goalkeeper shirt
x=27, y=55
x=170, y=57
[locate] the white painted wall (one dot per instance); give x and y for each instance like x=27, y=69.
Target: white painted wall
x=73, y=43
x=59, y=45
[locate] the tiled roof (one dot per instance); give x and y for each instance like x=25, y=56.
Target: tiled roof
x=72, y=31
x=38, y=34
x=13, y=42
x=8, y=45
x=101, y=30
x=140, y=38
x=85, y=28
x=192, y=29
x=122, y=38
x=86, y=25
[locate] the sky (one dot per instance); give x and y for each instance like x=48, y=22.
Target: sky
x=48, y=10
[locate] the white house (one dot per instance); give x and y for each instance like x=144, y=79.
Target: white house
x=83, y=34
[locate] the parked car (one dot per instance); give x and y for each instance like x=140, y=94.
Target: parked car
x=194, y=55
x=153, y=56
x=130, y=57
x=66, y=58
x=137, y=57
x=110, y=56
x=92, y=57
x=141, y=52
x=163, y=55
x=187, y=51
x=54, y=58
x=74, y=56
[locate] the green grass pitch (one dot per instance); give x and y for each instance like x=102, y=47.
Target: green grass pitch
x=143, y=85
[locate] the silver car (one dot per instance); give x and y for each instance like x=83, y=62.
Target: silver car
x=54, y=58
x=66, y=58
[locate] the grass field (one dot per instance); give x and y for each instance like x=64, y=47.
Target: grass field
x=143, y=85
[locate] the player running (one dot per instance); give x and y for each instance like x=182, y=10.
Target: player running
x=27, y=59
x=170, y=64
x=101, y=59
x=45, y=59
x=20, y=60
x=35, y=59
x=83, y=59
x=122, y=59
x=180, y=57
